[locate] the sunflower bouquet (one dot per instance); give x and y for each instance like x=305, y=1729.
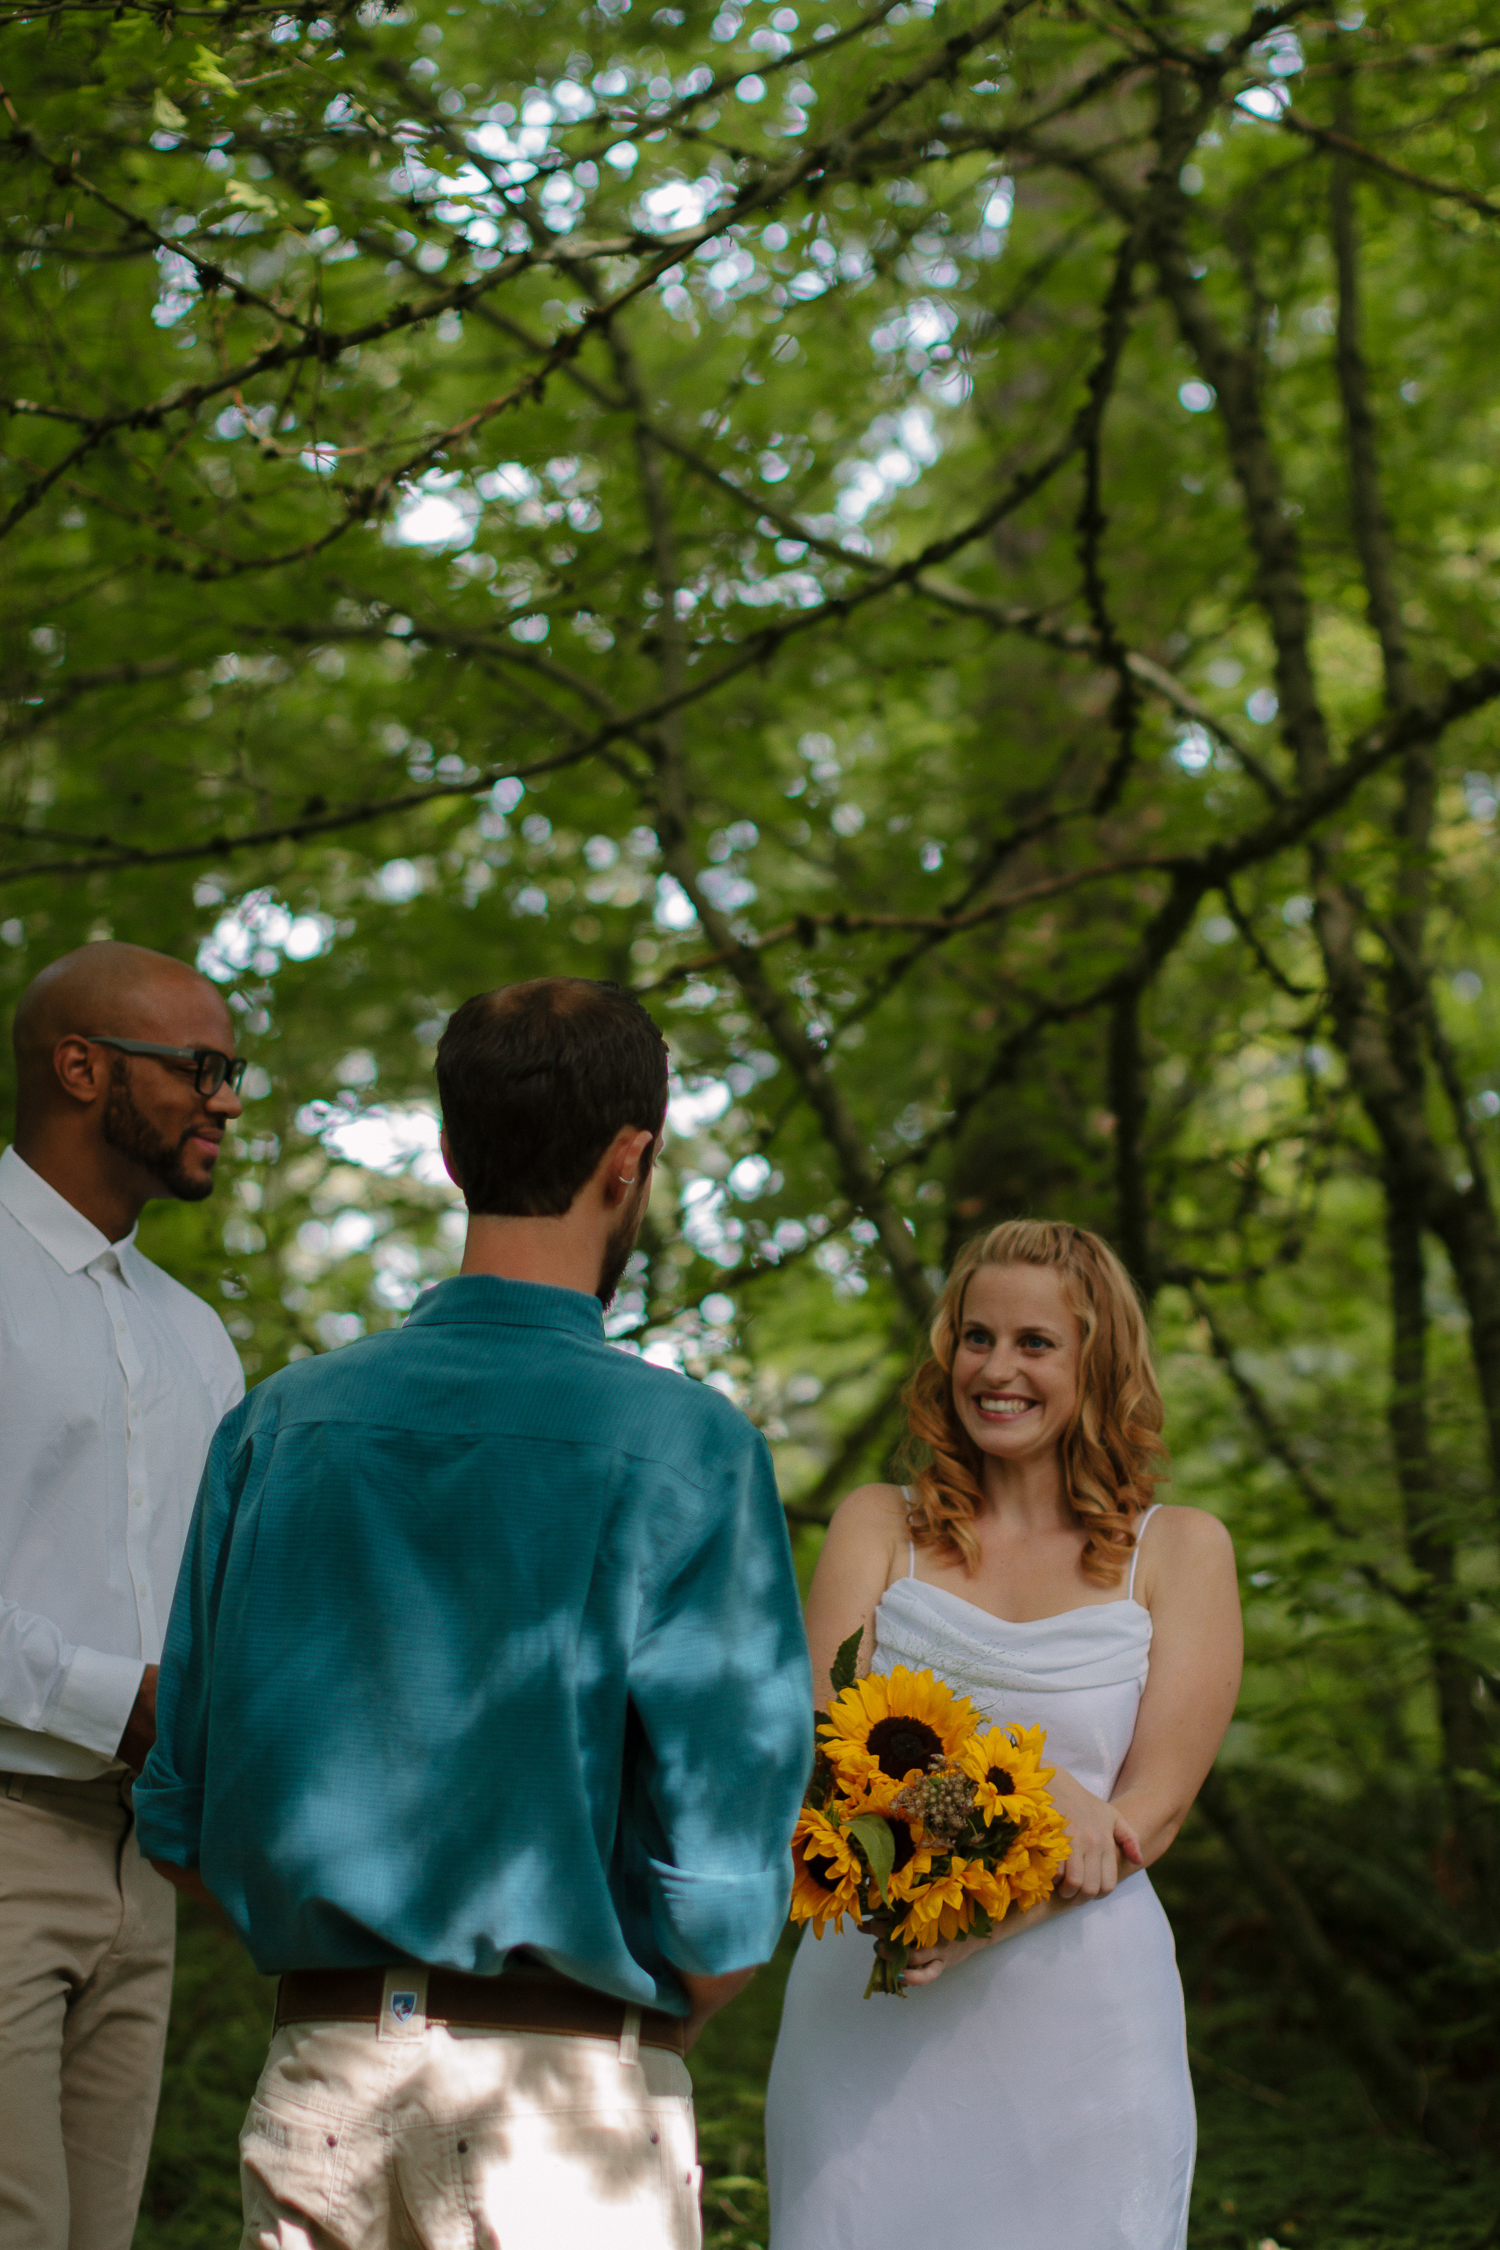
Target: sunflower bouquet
x=921, y=1823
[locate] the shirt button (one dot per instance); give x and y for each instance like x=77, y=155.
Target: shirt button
x=138, y=1499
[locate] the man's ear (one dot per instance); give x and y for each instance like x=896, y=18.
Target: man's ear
x=82, y=1068
x=626, y=1159
x=448, y=1164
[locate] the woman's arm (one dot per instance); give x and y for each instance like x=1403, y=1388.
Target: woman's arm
x=1197, y=1652
x=1189, y=1698
x=1188, y=1583
x=857, y=1564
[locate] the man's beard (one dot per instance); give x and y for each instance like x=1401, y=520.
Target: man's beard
x=134, y=1135
x=621, y=1242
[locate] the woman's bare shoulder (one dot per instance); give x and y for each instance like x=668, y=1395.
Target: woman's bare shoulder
x=1181, y=1540
x=870, y=1519
x=871, y=1508
x=864, y=1550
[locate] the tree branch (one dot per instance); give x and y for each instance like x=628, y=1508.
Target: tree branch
x=320, y=823
x=1446, y=191
x=1127, y=1100
x=1372, y=528
x=1316, y=1497
x=1093, y=522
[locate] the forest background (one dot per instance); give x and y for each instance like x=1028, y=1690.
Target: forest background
x=953, y=550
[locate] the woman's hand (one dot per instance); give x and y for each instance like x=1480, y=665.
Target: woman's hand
x=1100, y=1837
x=928, y=1962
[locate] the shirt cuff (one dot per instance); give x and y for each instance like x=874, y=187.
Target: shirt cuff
x=711, y=1925
x=94, y=1701
x=168, y=1817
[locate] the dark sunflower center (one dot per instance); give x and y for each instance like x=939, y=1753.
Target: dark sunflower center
x=899, y=1744
x=1001, y=1780
x=824, y=1871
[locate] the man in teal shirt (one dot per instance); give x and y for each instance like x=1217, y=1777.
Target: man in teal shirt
x=485, y=1710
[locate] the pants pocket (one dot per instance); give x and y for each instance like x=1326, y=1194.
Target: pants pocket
x=684, y=2180
x=610, y=2180
x=292, y=2169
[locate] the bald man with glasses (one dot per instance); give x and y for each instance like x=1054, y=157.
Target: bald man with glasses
x=113, y=1379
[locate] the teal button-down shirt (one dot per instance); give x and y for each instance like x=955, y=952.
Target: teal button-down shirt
x=487, y=1636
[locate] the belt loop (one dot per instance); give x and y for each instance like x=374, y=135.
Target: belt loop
x=630, y=2039
x=15, y=1785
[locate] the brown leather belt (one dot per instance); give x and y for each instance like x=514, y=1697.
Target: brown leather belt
x=529, y=1999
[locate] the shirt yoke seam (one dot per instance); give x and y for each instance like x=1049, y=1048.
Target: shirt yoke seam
x=611, y=1448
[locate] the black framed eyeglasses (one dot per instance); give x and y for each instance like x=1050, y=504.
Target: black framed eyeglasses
x=211, y=1070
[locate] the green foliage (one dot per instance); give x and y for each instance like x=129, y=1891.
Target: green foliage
x=953, y=550
x=878, y=1841
x=216, y=2043
x=841, y=1673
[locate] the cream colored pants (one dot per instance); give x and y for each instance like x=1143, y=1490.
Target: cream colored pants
x=468, y=2140
x=86, y=1932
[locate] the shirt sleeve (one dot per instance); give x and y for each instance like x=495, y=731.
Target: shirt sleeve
x=720, y=1681
x=213, y=1348
x=169, y=1794
x=52, y=1686
x=228, y=1385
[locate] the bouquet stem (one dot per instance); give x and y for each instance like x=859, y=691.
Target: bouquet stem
x=888, y=1969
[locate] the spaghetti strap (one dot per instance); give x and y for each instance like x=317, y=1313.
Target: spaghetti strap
x=1135, y=1555
x=911, y=1544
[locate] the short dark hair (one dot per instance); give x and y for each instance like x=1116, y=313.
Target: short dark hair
x=535, y=1082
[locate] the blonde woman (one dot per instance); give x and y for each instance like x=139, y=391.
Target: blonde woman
x=1032, y=2093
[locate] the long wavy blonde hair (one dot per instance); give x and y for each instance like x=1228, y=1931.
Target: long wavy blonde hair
x=1112, y=1453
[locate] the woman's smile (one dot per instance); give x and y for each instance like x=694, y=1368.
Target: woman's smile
x=1003, y=1406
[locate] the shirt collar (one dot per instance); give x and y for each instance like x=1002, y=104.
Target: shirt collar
x=472, y=1298
x=62, y=1230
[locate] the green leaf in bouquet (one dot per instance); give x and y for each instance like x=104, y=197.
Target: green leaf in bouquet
x=842, y=1670
x=874, y=1837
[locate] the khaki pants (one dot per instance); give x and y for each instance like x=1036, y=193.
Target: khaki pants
x=468, y=2140
x=86, y=1931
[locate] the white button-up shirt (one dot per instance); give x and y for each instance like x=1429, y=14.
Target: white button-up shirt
x=113, y=1379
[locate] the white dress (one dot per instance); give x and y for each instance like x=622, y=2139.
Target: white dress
x=1037, y=2096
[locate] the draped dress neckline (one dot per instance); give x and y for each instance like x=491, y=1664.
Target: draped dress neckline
x=1101, y=1644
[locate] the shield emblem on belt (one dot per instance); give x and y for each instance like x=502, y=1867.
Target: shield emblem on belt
x=403, y=2006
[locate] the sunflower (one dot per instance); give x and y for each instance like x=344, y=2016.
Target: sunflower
x=1030, y=1863
x=1034, y=1861
x=987, y=1887
x=895, y=1723
x=1028, y=1746
x=862, y=1788
x=1004, y=1764
x=941, y=1909
x=826, y=1876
